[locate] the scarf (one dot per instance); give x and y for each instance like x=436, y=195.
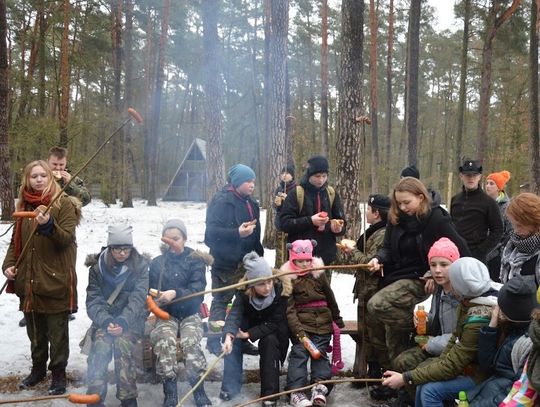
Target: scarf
x=260, y=303
x=111, y=276
x=410, y=223
x=516, y=253
x=30, y=200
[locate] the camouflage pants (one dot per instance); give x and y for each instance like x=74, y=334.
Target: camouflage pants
x=409, y=360
x=390, y=318
x=366, y=286
x=222, y=278
x=104, y=347
x=163, y=338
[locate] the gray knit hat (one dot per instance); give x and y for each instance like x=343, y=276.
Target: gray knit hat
x=175, y=223
x=256, y=267
x=469, y=277
x=120, y=235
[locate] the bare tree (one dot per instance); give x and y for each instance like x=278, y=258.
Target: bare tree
x=212, y=84
x=6, y=186
x=373, y=95
x=324, y=76
x=389, y=79
x=413, y=58
x=64, y=78
x=534, y=138
x=127, y=196
x=495, y=20
x=463, y=83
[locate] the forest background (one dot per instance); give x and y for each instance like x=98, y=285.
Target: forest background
x=374, y=85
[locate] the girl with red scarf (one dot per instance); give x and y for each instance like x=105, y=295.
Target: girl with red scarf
x=44, y=277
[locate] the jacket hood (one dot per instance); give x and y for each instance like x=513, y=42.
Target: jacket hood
x=317, y=262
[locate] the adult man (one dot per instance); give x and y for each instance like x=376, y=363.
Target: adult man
x=313, y=211
x=58, y=162
x=476, y=216
x=232, y=230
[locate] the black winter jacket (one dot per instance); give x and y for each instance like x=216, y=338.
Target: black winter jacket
x=478, y=220
x=298, y=224
x=431, y=228
x=224, y=215
x=184, y=273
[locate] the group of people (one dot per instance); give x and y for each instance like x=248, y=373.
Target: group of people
x=479, y=261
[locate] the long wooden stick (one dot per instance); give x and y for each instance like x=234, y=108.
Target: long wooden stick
x=332, y=381
x=73, y=397
x=261, y=279
x=132, y=115
x=210, y=368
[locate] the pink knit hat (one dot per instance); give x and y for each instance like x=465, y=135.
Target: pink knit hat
x=300, y=250
x=444, y=247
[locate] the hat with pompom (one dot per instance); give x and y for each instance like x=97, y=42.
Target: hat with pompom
x=500, y=178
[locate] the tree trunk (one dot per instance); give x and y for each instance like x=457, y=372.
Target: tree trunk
x=389, y=79
x=373, y=96
x=324, y=77
x=412, y=79
x=127, y=178
x=278, y=77
x=117, y=142
x=64, y=79
x=6, y=185
x=534, y=138
x=42, y=58
x=348, y=147
x=494, y=22
x=462, y=84
x=212, y=102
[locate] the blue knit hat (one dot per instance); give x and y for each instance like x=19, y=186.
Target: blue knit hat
x=240, y=173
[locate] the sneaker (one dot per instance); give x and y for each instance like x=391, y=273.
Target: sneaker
x=318, y=395
x=268, y=403
x=225, y=396
x=300, y=400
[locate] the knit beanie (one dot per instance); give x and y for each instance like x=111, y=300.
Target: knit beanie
x=410, y=171
x=469, y=277
x=300, y=250
x=289, y=168
x=120, y=235
x=517, y=298
x=240, y=173
x=317, y=164
x=444, y=247
x=500, y=178
x=177, y=224
x=256, y=267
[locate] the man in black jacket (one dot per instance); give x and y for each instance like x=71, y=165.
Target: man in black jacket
x=475, y=215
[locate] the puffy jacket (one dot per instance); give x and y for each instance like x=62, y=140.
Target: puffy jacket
x=129, y=307
x=306, y=289
x=186, y=274
x=442, y=321
x=46, y=279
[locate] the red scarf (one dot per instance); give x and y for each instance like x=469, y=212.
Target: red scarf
x=31, y=200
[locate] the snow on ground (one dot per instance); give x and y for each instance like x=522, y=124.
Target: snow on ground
x=147, y=223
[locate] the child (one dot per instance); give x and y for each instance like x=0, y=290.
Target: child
x=442, y=316
x=312, y=312
x=116, y=304
x=258, y=313
x=286, y=184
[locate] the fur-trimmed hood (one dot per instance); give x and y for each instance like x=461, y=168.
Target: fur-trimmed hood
x=317, y=262
x=196, y=254
x=286, y=283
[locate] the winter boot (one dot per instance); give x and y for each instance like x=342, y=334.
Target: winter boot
x=170, y=390
x=201, y=399
x=128, y=403
x=382, y=393
x=213, y=344
x=249, y=349
x=299, y=399
x=318, y=395
x=58, y=383
x=36, y=375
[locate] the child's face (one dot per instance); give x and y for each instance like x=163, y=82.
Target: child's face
x=286, y=177
x=246, y=188
x=264, y=288
x=302, y=263
x=372, y=215
x=318, y=179
x=440, y=267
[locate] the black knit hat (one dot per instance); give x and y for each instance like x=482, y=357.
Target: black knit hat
x=379, y=201
x=410, y=171
x=289, y=168
x=317, y=164
x=471, y=167
x=517, y=298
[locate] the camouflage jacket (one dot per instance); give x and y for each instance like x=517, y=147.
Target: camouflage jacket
x=77, y=189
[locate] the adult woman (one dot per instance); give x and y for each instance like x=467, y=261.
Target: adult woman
x=45, y=279
x=414, y=226
x=521, y=253
x=495, y=183
x=179, y=271
x=116, y=304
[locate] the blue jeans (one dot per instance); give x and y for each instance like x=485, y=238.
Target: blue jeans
x=297, y=374
x=433, y=394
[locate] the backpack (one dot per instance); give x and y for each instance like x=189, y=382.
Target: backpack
x=300, y=196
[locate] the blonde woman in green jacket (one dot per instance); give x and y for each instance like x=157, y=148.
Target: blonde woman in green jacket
x=440, y=379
